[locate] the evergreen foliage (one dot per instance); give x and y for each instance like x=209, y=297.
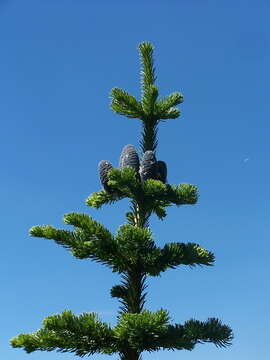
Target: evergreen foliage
x=131, y=252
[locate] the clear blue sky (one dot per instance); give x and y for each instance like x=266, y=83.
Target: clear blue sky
x=58, y=62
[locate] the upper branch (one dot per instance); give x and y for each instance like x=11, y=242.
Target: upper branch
x=151, y=109
x=148, y=77
x=153, y=194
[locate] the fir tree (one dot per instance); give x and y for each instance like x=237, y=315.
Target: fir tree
x=131, y=252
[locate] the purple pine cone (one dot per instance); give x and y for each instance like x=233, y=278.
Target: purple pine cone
x=161, y=171
x=129, y=157
x=148, y=168
x=103, y=167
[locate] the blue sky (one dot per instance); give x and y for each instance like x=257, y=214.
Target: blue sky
x=59, y=60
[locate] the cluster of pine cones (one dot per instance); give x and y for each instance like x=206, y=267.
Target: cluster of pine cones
x=148, y=168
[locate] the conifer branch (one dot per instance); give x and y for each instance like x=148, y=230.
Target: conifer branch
x=183, y=194
x=141, y=331
x=97, y=243
x=68, y=239
x=82, y=335
x=125, y=104
x=148, y=102
x=153, y=196
x=174, y=254
x=170, y=101
x=209, y=331
x=165, y=108
x=193, y=332
x=172, y=113
x=151, y=109
x=100, y=198
x=148, y=77
x=124, y=181
x=151, y=331
x=91, y=228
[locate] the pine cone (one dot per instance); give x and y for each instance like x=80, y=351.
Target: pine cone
x=129, y=157
x=148, y=168
x=161, y=174
x=103, y=167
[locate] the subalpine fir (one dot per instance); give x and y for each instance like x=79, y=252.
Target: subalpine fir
x=131, y=252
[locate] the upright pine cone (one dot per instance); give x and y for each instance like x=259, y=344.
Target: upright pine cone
x=103, y=167
x=161, y=171
x=148, y=168
x=129, y=157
